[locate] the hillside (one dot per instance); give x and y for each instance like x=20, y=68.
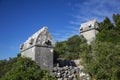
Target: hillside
x=22, y=69
x=101, y=59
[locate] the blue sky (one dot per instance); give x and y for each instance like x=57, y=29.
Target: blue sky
x=19, y=19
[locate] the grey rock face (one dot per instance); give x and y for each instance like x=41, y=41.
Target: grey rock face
x=39, y=47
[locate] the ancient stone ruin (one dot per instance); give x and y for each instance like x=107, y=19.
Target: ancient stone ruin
x=89, y=30
x=39, y=47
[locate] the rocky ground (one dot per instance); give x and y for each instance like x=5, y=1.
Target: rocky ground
x=69, y=73
x=66, y=72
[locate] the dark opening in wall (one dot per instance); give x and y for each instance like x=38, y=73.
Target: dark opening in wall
x=89, y=26
x=81, y=29
x=31, y=41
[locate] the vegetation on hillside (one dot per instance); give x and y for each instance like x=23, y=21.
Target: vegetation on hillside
x=108, y=31
x=69, y=50
x=22, y=69
x=101, y=59
x=6, y=65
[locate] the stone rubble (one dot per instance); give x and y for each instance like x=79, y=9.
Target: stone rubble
x=65, y=72
x=69, y=73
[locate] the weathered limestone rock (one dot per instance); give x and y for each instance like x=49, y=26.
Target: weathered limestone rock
x=89, y=30
x=39, y=47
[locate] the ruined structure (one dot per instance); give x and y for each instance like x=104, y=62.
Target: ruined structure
x=89, y=30
x=39, y=47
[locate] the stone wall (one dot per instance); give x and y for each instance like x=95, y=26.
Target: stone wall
x=44, y=56
x=70, y=72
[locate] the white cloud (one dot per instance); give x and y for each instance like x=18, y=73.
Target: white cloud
x=96, y=9
x=74, y=23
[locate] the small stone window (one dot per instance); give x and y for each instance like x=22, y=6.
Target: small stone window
x=31, y=41
x=81, y=29
x=48, y=42
x=89, y=26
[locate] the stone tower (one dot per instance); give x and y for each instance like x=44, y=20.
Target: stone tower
x=89, y=30
x=39, y=47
